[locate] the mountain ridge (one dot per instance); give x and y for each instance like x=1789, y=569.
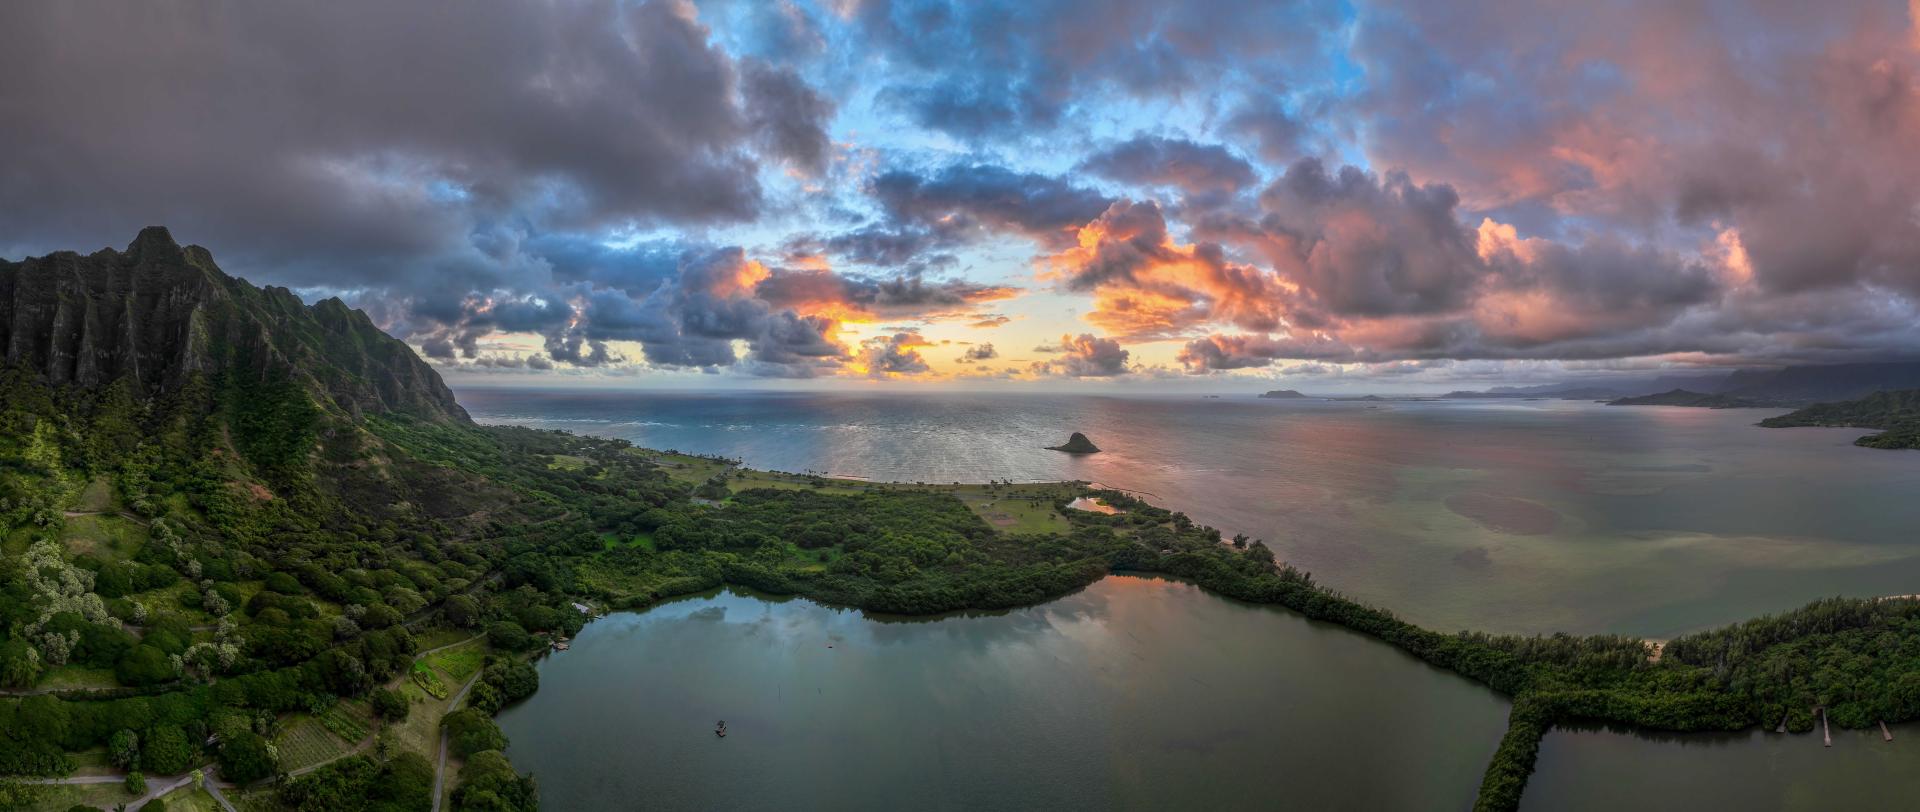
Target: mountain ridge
x=158, y=314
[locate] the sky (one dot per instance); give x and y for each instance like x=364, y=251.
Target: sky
x=1094, y=194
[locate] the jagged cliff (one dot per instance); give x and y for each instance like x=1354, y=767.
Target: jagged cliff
x=157, y=315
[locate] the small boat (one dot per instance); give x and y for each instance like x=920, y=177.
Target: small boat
x=721, y=730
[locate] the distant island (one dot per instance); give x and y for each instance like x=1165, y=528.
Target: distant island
x=1785, y=387
x=1897, y=414
x=1684, y=397
x=1282, y=394
x=1077, y=444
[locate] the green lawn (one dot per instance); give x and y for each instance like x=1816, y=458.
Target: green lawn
x=458, y=663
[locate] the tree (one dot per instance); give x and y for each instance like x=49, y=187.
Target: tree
x=144, y=665
x=516, y=679
x=247, y=758
x=19, y=664
x=507, y=635
x=462, y=611
x=470, y=731
x=390, y=704
x=486, y=698
x=136, y=783
x=43, y=718
x=488, y=783
x=166, y=751
x=123, y=749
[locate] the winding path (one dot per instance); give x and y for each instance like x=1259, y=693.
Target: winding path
x=440, y=769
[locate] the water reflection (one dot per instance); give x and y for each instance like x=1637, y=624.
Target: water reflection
x=1133, y=693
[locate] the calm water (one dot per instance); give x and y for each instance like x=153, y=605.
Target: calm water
x=1597, y=770
x=1507, y=516
x=1496, y=515
x=1134, y=693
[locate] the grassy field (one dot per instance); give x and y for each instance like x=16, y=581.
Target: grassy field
x=682, y=467
x=96, y=496
x=106, y=536
x=458, y=663
x=440, y=636
x=643, y=541
x=567, y=462
x=191, y=799
x=61, y=798
x=73, y=676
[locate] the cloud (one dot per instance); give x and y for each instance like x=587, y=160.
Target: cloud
x=1205, y=172
x=788, y=116
x=972, y=201
x=1147, y=286
x=978, y=352
x=1682, y=116
x=993, y=320
x=897, y=354
x=373, y=136
x=883, y=297
x=1006, y=70
x=1083, y=356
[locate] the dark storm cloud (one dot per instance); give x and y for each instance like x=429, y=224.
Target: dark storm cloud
x=926, y=215
x=1207, y=172
x=972, y=200
x=365, y=143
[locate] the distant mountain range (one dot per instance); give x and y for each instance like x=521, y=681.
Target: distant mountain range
x=1683, y=397
x=1787, y=386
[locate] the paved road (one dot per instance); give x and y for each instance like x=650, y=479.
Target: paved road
x=440, y=770
x=153, y=790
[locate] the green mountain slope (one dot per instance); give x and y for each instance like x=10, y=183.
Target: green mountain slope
x=1896, y=413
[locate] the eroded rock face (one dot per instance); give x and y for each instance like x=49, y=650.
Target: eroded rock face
x=1077, y=444
x=158, y=314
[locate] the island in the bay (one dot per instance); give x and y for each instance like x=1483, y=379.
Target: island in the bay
x=258, y=544
x=1076, y=444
